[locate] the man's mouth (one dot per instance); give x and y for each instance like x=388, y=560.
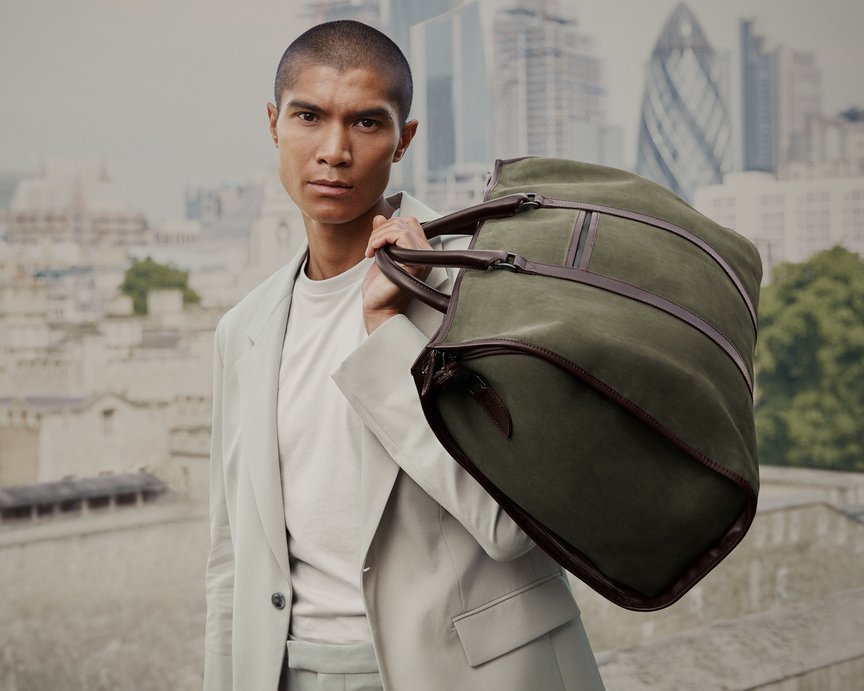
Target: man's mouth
x=332, y=188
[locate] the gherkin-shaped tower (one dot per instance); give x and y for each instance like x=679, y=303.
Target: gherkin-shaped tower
x=684, y=134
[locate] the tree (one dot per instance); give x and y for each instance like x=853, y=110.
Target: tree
x=810, y=364
x=146, y=274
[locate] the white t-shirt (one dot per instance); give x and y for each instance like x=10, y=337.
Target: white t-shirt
x=319, y=457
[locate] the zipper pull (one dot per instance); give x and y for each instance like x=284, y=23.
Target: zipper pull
x=435, y=375
x=449, y=367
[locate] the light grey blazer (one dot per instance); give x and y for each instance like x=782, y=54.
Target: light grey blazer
x=457, y=596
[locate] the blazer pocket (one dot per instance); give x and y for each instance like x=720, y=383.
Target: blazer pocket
x=505, y=624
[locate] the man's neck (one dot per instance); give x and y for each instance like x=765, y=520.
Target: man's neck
x=335, y=248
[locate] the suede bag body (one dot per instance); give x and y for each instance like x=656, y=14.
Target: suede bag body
x=594, y=372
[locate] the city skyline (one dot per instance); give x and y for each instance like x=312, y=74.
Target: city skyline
x=168, y=101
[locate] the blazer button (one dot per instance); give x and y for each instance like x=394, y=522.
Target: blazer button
x=278, y=600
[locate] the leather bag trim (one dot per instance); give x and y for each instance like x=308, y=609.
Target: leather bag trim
x=589, y=242
x=564, y=553
x=646, y=297
x=550, y=203
x=575, y=235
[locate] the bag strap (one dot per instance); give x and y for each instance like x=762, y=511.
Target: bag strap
x=464, y=222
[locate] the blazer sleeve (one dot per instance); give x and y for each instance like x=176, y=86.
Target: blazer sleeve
x=376, y=380
x=219, y=578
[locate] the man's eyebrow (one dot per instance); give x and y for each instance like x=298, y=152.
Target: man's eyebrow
x=372, y=113
x=375, y=112
x=304, y=105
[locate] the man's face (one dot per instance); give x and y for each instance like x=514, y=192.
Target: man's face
x=337, y=134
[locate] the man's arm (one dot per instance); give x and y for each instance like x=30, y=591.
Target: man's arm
x=220, y=562
x=376, y=380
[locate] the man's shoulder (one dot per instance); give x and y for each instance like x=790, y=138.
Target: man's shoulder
x=267, y=294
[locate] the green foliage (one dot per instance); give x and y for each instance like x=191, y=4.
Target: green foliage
x=146, y=274
x=810, y=364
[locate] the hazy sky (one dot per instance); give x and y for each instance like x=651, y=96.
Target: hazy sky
x=174, y=90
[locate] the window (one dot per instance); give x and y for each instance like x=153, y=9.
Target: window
x=107, y=420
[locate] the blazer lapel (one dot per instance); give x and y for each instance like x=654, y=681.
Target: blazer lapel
x=258, y=373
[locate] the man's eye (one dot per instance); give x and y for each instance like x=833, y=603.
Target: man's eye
x=307, y=117
x=368, y=123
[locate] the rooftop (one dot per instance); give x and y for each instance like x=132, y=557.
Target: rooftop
x=79, y=488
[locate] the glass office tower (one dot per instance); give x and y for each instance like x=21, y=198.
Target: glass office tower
x=684, y=133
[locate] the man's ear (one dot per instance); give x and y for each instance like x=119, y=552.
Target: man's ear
x=409, y=129
x=273, y=116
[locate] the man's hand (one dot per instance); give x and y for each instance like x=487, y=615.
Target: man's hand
x=382, y=299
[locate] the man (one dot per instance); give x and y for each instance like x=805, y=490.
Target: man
x=348, y=549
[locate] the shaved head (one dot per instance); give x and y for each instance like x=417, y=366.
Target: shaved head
x=344, y=45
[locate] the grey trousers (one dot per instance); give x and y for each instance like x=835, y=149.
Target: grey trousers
x=320, y=667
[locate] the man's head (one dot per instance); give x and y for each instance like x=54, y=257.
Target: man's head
x=348, y=44
x=343, y=94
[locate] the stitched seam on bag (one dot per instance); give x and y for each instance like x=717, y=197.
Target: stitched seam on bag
x=657, y=301
x=627, y=403
x=567, y=554
x=702, y=244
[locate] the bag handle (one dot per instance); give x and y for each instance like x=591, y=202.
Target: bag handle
x=467, y=222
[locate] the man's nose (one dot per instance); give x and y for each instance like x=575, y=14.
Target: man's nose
x=334, y=148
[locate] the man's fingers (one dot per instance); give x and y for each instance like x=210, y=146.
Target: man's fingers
x=404, y=232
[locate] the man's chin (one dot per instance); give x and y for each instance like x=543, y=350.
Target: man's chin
x=334, y=212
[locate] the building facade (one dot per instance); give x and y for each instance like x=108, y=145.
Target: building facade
x=781, y=93
x=788, y=220
x=799, y=99
x=834, y=148
x=758, y=102
x=684, y=131
x=549, y=94
x=494, y=82
x=452, y=98
x=75, y=202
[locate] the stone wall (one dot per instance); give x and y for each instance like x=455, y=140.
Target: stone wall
x=108, y=434
x=809, y=646
x=19, y=447
x=782, y=560
x=115, y=601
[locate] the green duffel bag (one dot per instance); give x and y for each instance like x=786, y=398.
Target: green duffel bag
x=594, y=371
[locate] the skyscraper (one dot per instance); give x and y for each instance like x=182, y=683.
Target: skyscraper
x=500, y=83
x=758, y=102
x=799, y=98
x=452, y=101
x=549, y=94
x=684, y=133
x=401, y=15
x=780, y=95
